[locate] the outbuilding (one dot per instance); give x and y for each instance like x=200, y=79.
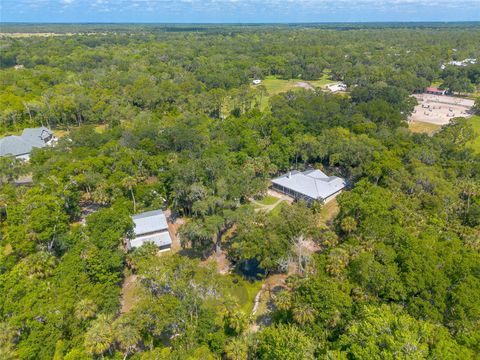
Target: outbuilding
x=310, y=185
x=435, y=91
x=151, y=226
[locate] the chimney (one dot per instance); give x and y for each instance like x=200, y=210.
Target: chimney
x=289, y=174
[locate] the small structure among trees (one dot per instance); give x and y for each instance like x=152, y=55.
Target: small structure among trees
x=151, y=226
x=435, y=91
x=310, y=185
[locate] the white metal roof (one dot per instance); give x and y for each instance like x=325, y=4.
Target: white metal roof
x=159, y=239
x=312, y=183
x=20, y=145
x=150, y=222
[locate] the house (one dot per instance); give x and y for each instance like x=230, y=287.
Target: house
x=334, y=88
x=151, y=226
x=310, y=185
x=21, y=146
x=256, y=82
x=435, y=91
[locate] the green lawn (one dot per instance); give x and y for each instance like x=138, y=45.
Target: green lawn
x=475, y=121
x=244, y=292
x=323, y=81
x=268, y=200
x=277, y=86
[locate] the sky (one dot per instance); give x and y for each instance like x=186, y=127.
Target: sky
x=237, y=11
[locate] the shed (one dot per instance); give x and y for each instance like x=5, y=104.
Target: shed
x=151, y=226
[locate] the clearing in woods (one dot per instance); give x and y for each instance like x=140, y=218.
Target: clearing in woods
x=475, y=143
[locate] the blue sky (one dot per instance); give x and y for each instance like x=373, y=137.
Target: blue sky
x=256, y=11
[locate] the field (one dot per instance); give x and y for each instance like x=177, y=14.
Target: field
x=439, y=110
x=475, y=122
x=277, y=86
x=423, y=127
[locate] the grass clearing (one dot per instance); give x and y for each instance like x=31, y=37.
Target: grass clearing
x=423, y=127
x=244, y=292
x=277, y=86
x=475, y=143
x=322, y=82
x=130, y=290
x=329, y=211
x=277, y=209
x=268, y=200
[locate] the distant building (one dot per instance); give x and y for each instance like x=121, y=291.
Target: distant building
x=435, y=91
x=311, y=185
x=257, y=82
x=151, y=226
x=339, y=87
x=18, y=67
x=465, y=62
x=21, y=146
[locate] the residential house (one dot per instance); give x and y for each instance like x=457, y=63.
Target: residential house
x=310, y=185
x=21, y=146
x=339, y=87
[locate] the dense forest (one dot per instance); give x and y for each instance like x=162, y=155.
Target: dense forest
x=150, y=117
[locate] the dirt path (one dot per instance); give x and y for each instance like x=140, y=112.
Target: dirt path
x=304, y=85
x=263, y=304
x=128, y=296
x=269, y=208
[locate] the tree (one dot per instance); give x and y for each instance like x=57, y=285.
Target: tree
x=284, y=342
x=129, y=183
x=387, y=333
x=126, y=335
x=85, y=309
x=100, y=337
x=237, y=349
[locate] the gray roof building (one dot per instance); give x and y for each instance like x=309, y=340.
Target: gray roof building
x=21, y=146
x=151, y=226
x=309, y=185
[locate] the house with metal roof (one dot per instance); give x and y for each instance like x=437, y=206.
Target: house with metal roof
x=310, y=185
x=21, y=146
x=151, y=226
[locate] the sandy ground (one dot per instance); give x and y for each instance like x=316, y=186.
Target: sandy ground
x=440, y=109
x=304, y=85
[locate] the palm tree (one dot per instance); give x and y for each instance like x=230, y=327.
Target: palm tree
x=85, y=309
x=304, y=314
x=99, y=338
x=237, y=349
x=129, y=183
x=348, y=224
x=236, y=321
x=283, y=300
x=127, y=336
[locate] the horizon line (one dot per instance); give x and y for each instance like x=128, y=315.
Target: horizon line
x=242, y=23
